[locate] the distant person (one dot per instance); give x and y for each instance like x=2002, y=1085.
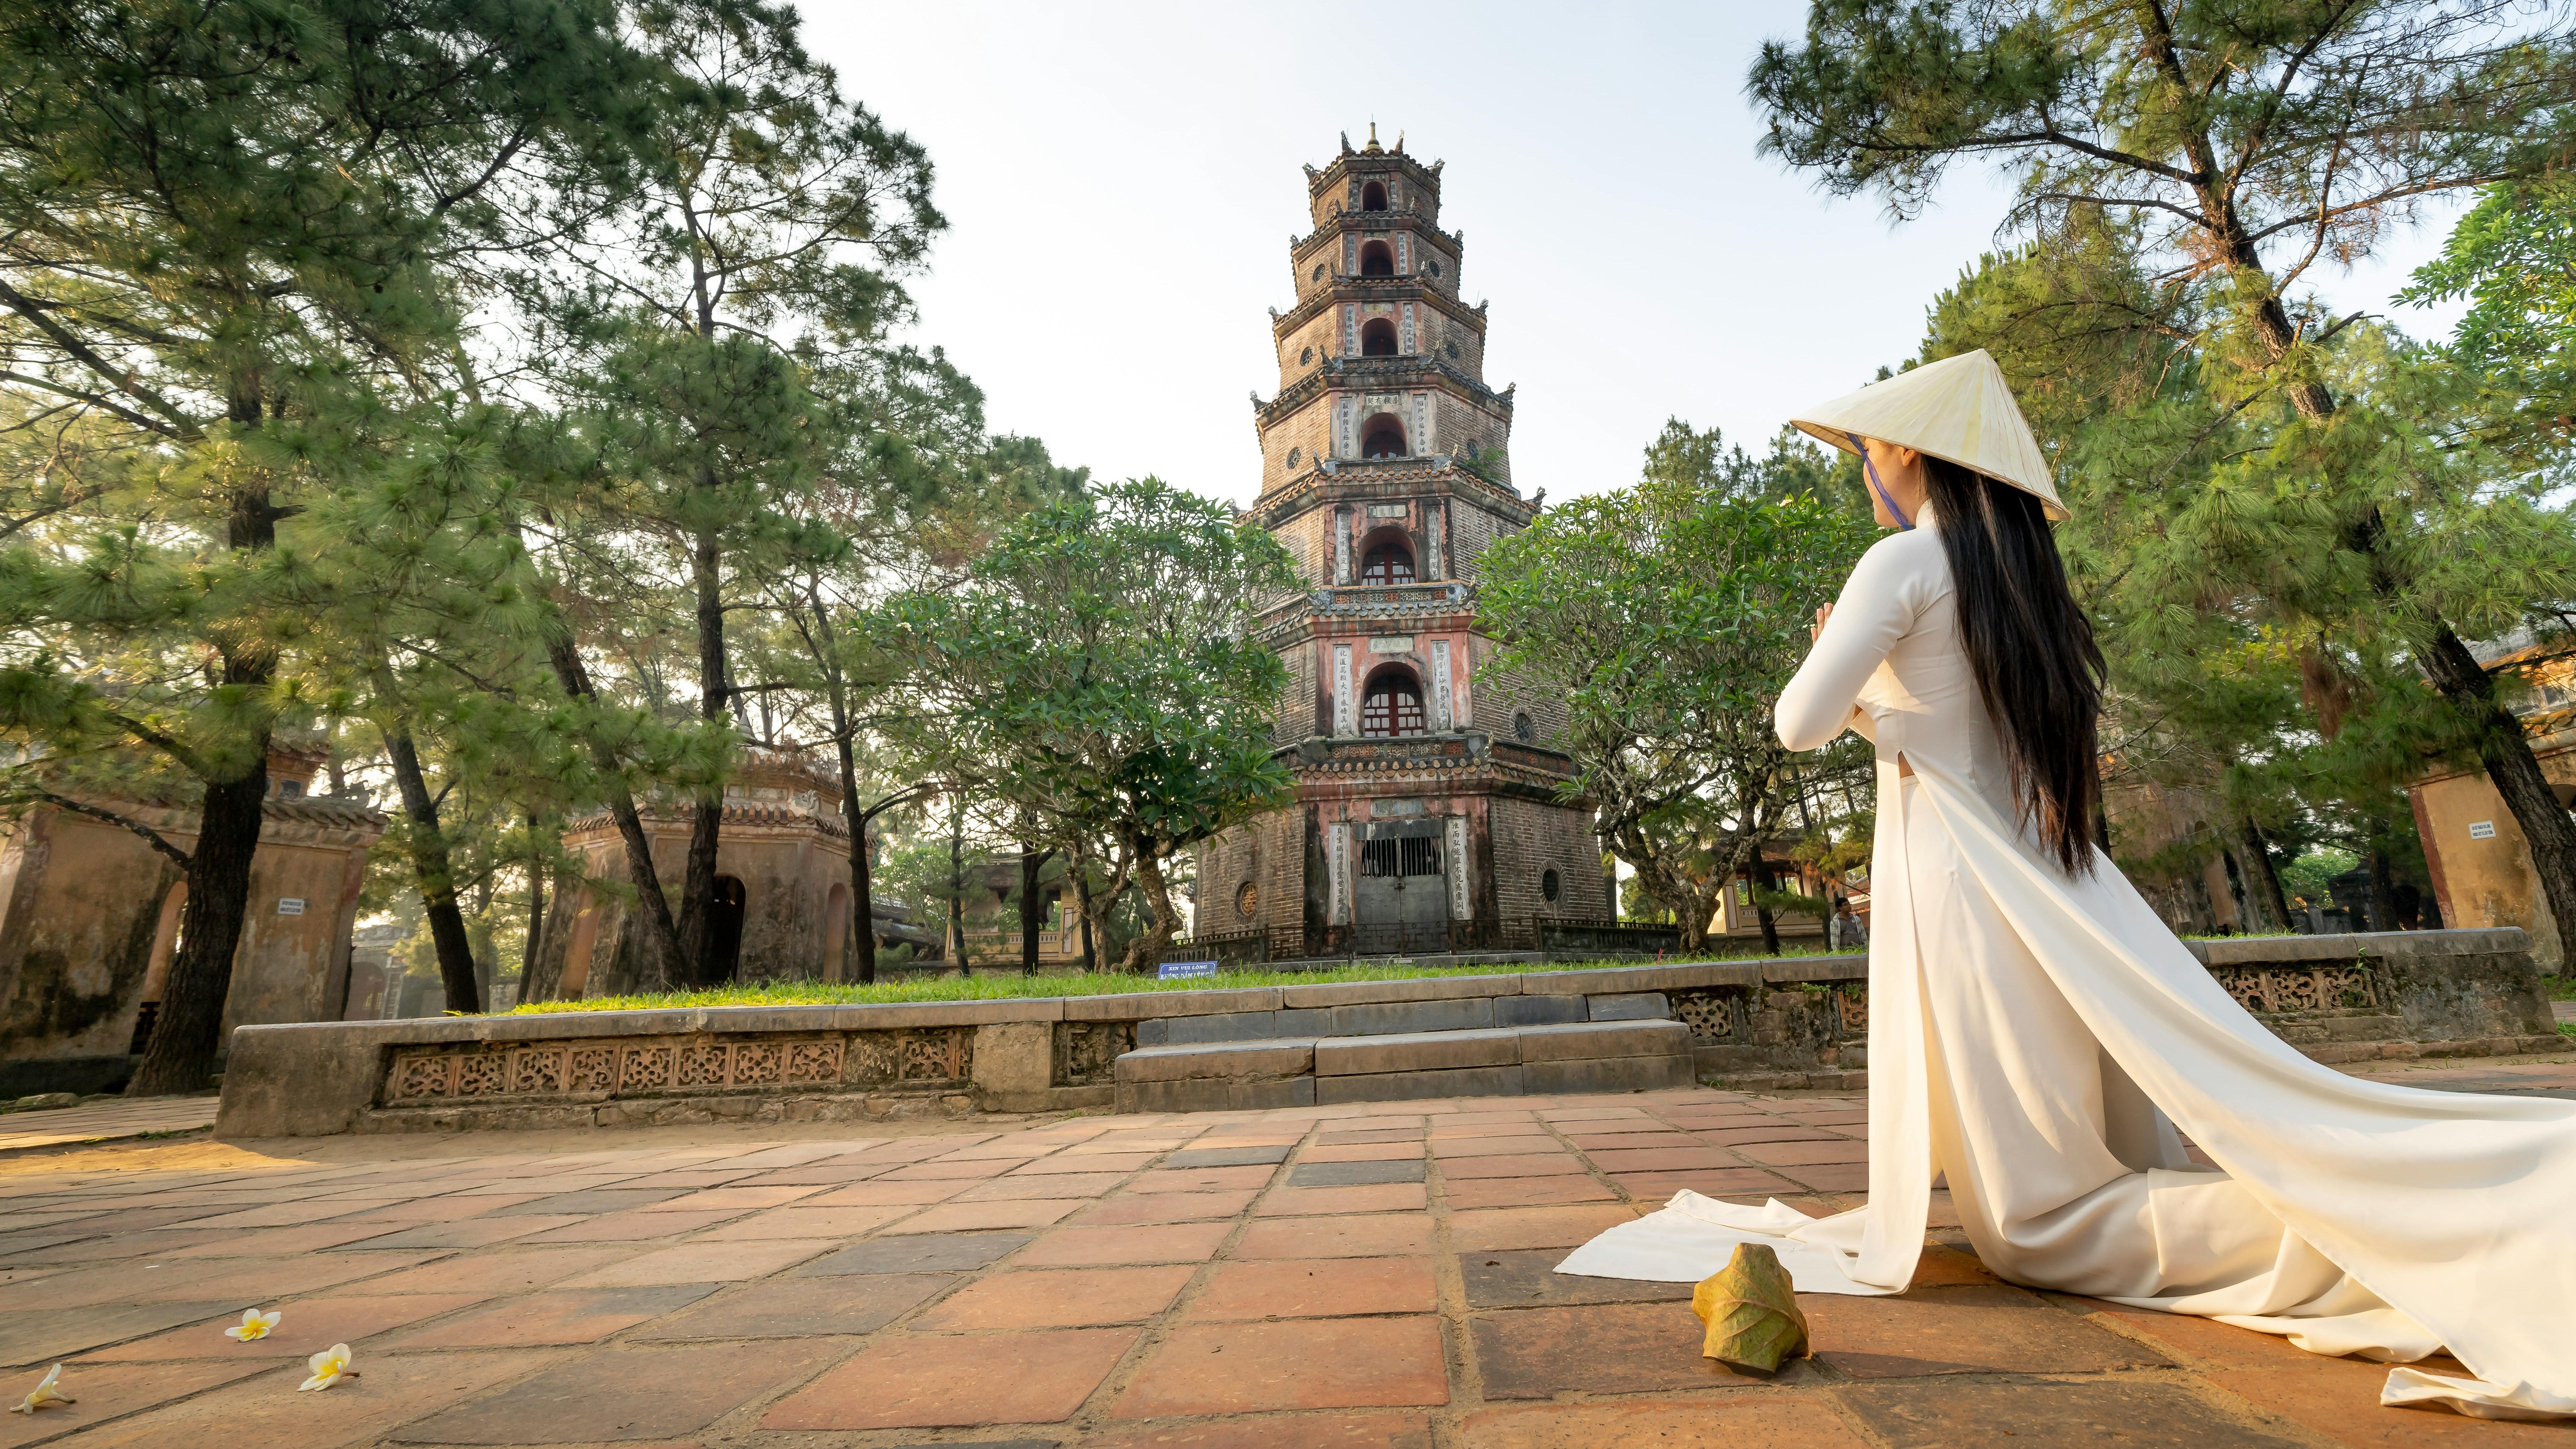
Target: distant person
x=1845, y=932
x=2037, y=1033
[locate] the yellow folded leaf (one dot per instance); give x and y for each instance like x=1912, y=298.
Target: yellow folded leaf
x=1751, y=1310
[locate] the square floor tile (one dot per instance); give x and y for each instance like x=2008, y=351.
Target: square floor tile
x=1517, y=1165
x=1163, y=1207
x=967, y=1217
x=107, y=1391
x=1406, y=1150
x=1053, y=1185
x=1492, y=1229
x=1387, y=1197
x=937, y=1380
x=1229, y=1156
x=1057, y=1298
x=1201, y=1179
x=1117, y=1247
x=304, y=1328
x=573, y=1316
x=1371, y=1236
x=1315, y=1288
x=1962, y=1330
x=1606, y=1348
x=629, y=1227
x=268, y=1411
x=1664, y=1159
x=2148, y=1416
x=33, y=1340
x=921, y=1253
x=804, y=1222
x=800, y=1307
x=1713, y=1421
x=630, y=1393
x=884, y=1194
x=1726, y=1182
x=1446, y=1148
x=515, y=1271
x=1354, y=1174
x=1527, y=1278
x=1525, y=1191
x=1246, y=1368
x=717, y=1262
x=1803, y=1154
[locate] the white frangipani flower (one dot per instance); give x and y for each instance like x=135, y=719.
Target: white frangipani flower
x=43, y=1394
x=329, y=1367
x=254, y=1325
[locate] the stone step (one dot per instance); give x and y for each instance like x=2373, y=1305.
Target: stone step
x=1582, y=1056
x=1384, y=1018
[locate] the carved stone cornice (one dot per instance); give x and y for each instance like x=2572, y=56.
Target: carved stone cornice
x=1354, y=480
x=1373, y=289
x=1370, y=223
x=1392, y=374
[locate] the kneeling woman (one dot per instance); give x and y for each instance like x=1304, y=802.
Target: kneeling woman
x=2037, y=1033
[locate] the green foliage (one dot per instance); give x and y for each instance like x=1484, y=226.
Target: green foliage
x=1015, y=987
x=2513, y=256
x=1670, y=614
x=1096, y=671
x=2307, y=877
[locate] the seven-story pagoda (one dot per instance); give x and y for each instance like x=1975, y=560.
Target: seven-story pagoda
x=1427, y=815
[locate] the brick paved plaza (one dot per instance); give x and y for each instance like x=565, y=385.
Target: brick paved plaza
x=1362, y=1277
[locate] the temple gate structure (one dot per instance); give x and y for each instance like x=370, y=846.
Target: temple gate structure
x=1428, y=814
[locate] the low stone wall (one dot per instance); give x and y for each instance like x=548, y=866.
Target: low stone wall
x=1795, y=1022
x=2391, y=994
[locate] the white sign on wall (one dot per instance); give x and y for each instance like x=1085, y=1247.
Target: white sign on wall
x=2482, y=830
x=290, y=905
x=1391, y=644
x=1342, y=689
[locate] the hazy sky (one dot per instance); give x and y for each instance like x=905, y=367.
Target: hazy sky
x=1122, y=181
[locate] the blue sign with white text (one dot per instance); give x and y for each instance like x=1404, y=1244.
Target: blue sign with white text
x=1184, y=970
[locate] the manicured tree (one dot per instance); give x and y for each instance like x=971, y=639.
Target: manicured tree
x=225, y=223
x=1096, y=668
x=1670, y=614
x=773, y=220
x=2241, y=143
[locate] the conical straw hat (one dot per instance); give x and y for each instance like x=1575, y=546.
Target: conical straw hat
x=1957, y=408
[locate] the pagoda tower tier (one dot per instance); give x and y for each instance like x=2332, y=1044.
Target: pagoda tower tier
x=1431, y=812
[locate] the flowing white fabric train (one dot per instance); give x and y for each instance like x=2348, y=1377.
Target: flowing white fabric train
x=2036, y=1037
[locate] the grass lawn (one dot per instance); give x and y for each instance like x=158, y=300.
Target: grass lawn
x=995, y=985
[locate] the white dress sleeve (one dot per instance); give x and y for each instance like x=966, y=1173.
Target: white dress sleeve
x=1878, y=606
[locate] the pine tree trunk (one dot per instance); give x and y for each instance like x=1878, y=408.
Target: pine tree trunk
x=429, y=867
x=1082, y=898
x=2266, y=888
x=862, y=909
x=528, y=954
x=2506, y=752
x=1764, y=882
x=706, y=825
x=662, y=938
x=957, y=891
x=1031, y=861
x=2383, y=885
x=180, y=1057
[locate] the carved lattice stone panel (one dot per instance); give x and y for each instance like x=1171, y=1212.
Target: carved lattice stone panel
x=1852, y=1000
x=1087, y=1052
x=936, y=1054
x=589, y=1069
x=2300, y=988
x=1713, y=1016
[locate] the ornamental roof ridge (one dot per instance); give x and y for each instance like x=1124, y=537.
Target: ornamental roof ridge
x=1346, y=289
x=1317, y=177
x=1338, y=372
x=1437, y=469
x=1342, y=221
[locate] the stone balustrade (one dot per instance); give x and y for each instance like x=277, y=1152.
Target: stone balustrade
x=1778, y=1023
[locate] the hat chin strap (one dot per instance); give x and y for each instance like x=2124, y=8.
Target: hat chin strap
x=1903, y=523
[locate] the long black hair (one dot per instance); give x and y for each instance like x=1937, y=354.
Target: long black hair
x=2030, y=648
